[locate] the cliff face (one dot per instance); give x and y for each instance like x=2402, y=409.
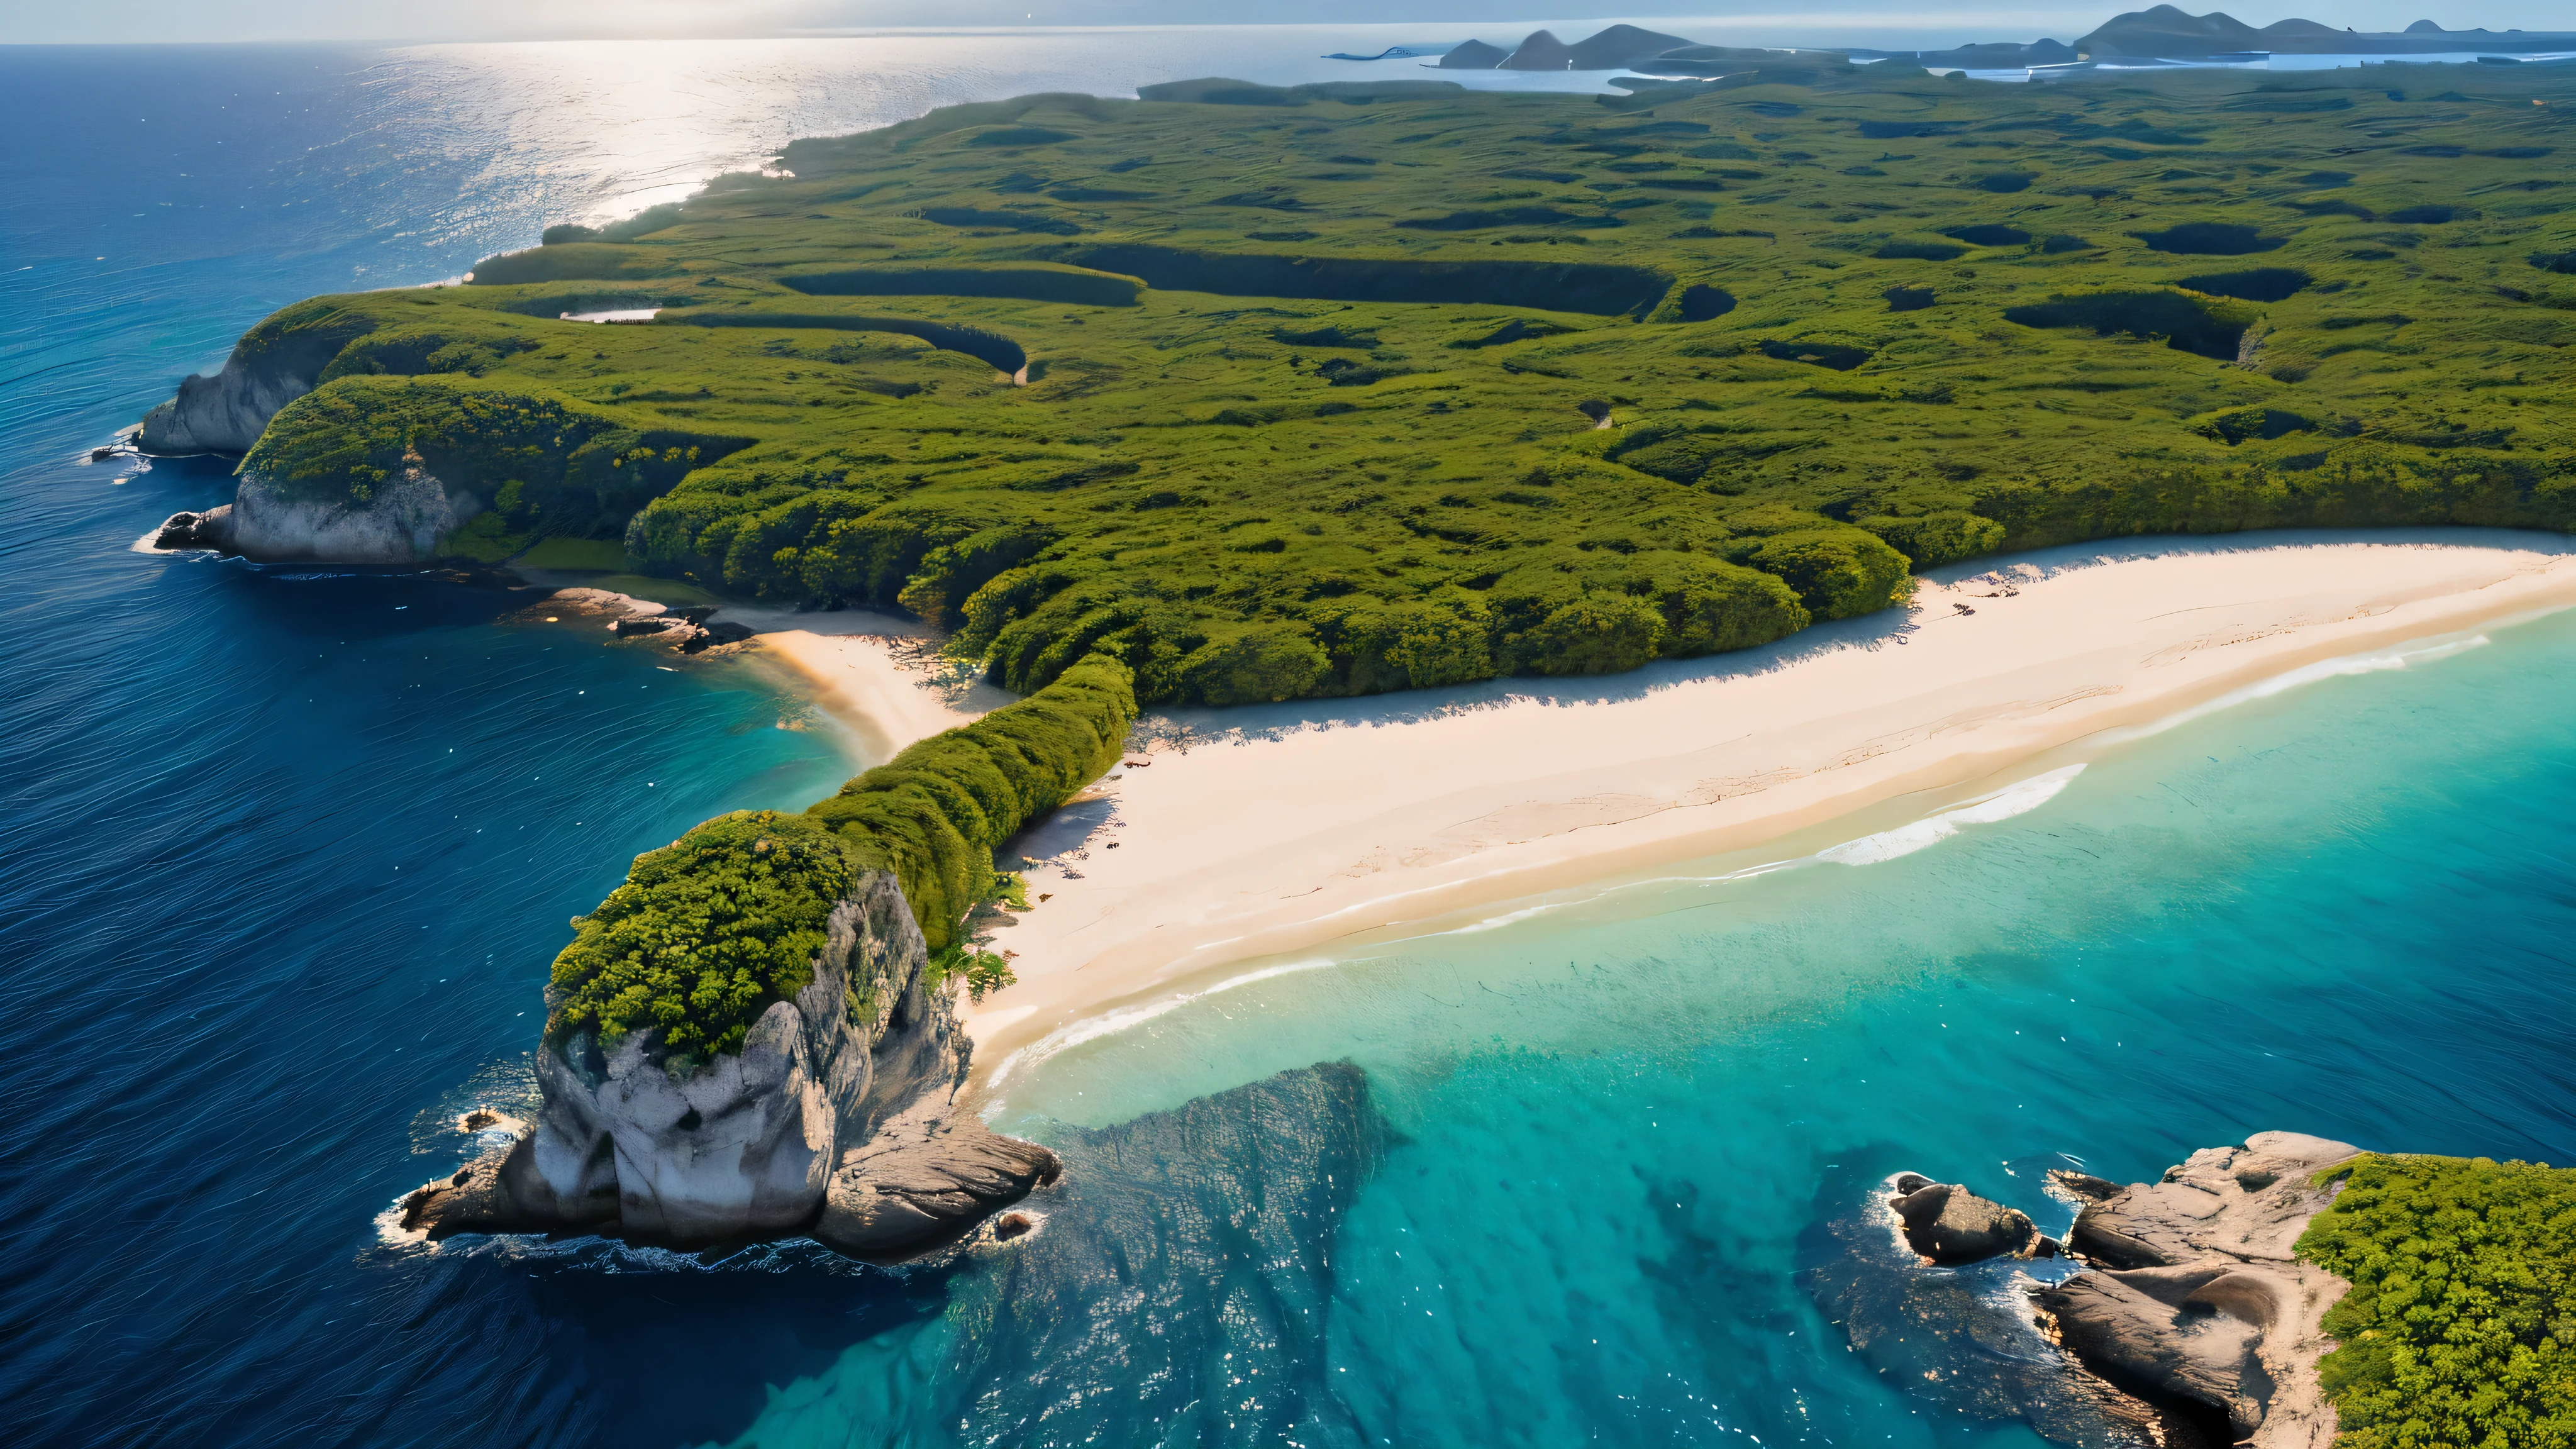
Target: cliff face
x=832, y=1121
x=226, y=413
x=399, y=521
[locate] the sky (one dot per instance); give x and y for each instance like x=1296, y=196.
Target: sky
x=117, y=21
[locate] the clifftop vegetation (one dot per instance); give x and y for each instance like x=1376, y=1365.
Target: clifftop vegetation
x=1278, y=393
x=2460, y=1328
x=711, y=929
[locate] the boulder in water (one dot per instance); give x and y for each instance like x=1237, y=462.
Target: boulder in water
x=1948, y=1224
x=210, y=529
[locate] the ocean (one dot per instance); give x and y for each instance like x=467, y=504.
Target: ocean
x=287, y=851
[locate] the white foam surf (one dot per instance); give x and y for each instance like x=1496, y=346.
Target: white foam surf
x=2404, y=656
x=2019, y=798
x=1110, y=1023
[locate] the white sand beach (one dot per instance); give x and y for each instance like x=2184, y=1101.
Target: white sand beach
x=1254, y=832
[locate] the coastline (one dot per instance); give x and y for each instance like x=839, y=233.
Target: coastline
x=1262, y=831
x=873, y=673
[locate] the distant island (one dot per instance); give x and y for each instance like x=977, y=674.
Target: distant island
x=2162, y=33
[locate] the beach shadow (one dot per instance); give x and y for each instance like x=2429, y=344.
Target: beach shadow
x=1202, y=727
x=1068, y=828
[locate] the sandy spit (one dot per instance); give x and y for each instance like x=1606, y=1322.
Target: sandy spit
x=1255, y=832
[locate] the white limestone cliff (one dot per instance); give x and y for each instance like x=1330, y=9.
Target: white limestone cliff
x=834, y=1121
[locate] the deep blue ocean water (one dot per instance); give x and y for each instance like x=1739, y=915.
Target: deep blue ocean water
x=286, y=851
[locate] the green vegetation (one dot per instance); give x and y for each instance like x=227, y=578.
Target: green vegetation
x=1271, y=393
x=2460, y=1328
x=704, y=935
x=933, y=814
x=711, y=929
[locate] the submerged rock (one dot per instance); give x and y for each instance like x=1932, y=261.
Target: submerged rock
x=831, y=1121
x=1182, y=1291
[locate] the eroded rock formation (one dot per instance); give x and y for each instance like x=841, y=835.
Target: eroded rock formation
x=2175, y=1315
x=227, y=412
x=833, y=1121
x=2196, y=1295
x=399, y=521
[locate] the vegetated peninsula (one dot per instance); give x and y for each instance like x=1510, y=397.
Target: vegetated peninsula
x=1279, y=393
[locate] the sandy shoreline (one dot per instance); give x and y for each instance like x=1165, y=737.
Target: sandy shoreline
x=1270, y=830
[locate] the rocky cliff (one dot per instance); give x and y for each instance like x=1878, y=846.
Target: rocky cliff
x=397, y=521
x=833, y=1121
x=271, y=366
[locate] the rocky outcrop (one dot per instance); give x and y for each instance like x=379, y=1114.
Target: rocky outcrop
x=2196, y=1296
x=2175, y=1315
x=210, y=529
x=832, y=1121
x=227, y=412
x=397, y=521
x=1948, y=1224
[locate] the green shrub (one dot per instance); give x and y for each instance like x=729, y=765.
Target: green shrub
x=1596, y=634
x=1410, y=645
x=704, y=935
x=2460, y=1328
x=1838, y=573
x=1938, y=538
x=2188, y=321
x=1033, y=281
x=711, y=929
x=1710, y=606
x=1262, y=664
x=574, y=261
x=579, y=472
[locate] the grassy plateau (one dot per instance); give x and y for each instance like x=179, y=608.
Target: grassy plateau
x=1279, y=393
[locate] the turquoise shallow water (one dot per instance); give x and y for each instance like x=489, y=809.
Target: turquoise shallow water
x=1613, y=1133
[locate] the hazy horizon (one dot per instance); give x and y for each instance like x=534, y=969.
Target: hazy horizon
x=1842, y=21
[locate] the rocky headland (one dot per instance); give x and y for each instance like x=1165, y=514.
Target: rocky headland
x=833, y=1121
x=2175, y=1313
x=268, y=368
